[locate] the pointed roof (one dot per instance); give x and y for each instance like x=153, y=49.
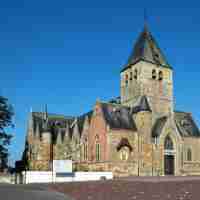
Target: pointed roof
x=147, y=49
x=186, y=124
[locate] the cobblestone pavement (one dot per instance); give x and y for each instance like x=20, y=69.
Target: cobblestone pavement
x=139, y=188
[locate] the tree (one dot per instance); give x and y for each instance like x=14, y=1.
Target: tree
x=6, y=113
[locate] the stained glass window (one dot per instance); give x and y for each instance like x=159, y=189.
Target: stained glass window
x=168, y=143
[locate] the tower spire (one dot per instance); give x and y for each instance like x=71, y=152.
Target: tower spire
x=145, y=20
x=145, y=17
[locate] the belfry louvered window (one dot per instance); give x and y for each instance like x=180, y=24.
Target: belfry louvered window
x=160, y=76
x=153, y=74
x=135, y=74
x=131, y=76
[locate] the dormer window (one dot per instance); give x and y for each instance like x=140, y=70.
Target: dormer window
x=135, y=74
x=160, y=76
x=153, y=74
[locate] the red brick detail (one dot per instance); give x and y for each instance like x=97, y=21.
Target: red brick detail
x=97, y=128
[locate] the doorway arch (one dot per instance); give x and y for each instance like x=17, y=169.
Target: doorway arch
x=169, y=156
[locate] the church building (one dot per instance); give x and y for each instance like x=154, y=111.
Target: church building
x=139, y=133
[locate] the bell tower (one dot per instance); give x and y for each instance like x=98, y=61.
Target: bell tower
x=148, y=73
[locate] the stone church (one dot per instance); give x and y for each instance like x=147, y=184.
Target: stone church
x=138, y=133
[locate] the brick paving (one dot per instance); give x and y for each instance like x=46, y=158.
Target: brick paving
x=139, y=188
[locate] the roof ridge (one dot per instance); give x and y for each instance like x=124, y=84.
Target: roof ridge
x=54, y=114
x=179, y=111
x=114, y=104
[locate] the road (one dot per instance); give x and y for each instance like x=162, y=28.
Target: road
x=24, y=192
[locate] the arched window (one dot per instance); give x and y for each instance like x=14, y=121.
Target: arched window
x=98, y=149
x=168, y=143
x=135, y=74
x=160, y=76
x=189, y=155
x=153, y=74
x=85, y=151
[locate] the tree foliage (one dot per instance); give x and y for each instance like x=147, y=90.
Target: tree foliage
x=6, y=113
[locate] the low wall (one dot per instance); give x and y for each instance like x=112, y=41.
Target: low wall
x=48, y=176
x=6, y=178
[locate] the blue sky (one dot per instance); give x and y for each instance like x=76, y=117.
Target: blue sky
x=69, y=53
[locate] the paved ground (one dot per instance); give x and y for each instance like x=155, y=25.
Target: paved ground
x=23, y=192
x=134, y=188
x=131, y=188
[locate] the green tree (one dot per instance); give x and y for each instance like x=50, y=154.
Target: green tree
x=6, y=113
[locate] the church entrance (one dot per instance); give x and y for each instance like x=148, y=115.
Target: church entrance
x=169, y=156
x=169, y=164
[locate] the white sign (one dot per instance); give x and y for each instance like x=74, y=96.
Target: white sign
x=62, y=166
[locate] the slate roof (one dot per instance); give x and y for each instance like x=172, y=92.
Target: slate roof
x=61, y=121
x=158, y=126
x=81, y=120
x=116, y=100
x=141, y=105
x=118, y=116
x=147, y=49
x=186, y=125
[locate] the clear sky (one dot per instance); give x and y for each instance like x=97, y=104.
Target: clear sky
x=69, y=53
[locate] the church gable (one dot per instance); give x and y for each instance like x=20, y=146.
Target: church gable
x=186, y=125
